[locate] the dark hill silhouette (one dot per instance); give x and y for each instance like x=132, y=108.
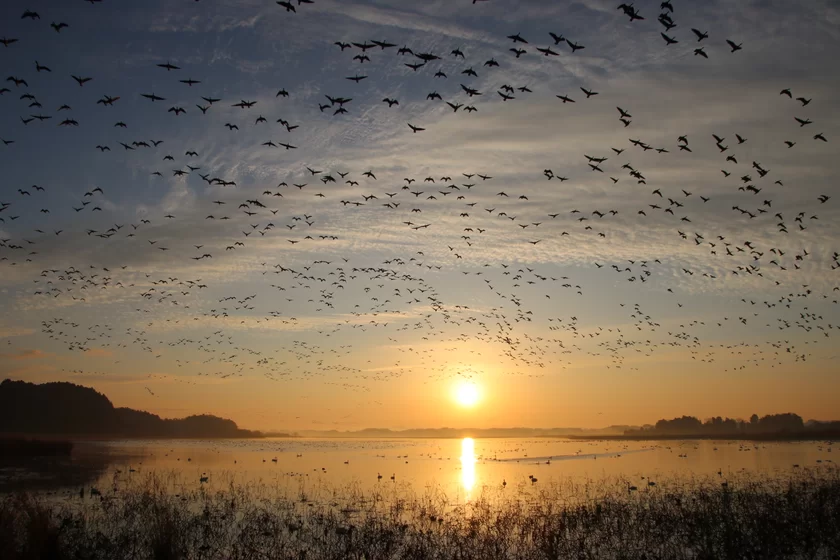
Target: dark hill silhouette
x=69, y=409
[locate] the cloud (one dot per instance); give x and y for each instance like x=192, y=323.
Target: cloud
x=9, y=332
x=98, y=352
x=31, y=354
x=497, y=253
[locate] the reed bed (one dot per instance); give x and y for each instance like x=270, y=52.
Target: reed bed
x=793, y=515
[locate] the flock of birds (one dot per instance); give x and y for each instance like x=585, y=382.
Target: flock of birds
x=307, y=264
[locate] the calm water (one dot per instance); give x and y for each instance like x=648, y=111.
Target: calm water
x=460, y=468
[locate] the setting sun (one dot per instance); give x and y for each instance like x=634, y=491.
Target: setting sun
x=466, y=393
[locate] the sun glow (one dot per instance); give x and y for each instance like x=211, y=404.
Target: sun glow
x=466, y=394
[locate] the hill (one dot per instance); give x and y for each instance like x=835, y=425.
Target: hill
x=73, y=410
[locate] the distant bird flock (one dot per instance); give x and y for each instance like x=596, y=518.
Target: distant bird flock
x=312, y=277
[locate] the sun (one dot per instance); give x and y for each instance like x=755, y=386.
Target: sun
x=466, y=394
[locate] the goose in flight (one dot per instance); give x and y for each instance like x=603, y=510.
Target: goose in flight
x=630, y=11
x=107, y=100
x=415, y=129
x=470, y=91
x=700, y=35
x=733, y=46
x=669, y=40
x=574, y=46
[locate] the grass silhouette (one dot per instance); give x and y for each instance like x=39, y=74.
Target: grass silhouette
x=790, y=515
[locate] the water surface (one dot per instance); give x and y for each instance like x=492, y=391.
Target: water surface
x=458, y=467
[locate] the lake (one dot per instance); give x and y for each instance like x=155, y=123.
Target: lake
x=458, y=467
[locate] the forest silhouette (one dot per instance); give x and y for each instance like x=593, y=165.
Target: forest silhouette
x=68, y=409
x=785, y=425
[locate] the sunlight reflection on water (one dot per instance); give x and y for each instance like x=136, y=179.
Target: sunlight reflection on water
x=468, y=465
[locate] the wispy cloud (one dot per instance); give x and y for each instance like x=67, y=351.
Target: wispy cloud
x=516, y=249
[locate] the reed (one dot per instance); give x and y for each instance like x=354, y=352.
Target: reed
x=793, y=515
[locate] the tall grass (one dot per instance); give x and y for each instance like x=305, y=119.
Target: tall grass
x=794, y=515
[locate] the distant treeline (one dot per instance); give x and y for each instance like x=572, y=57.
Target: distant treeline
x=458, y=433
x=69, y=409
x=787, y=425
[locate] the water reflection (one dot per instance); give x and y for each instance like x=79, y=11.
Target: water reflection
x=88, y=463
x=433, y=462
x=468, y=464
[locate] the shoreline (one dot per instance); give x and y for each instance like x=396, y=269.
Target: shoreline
x=114, y=437
x=69, y=438
x=824, y=436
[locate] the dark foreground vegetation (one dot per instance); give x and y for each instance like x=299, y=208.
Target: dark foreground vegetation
x=795, y=515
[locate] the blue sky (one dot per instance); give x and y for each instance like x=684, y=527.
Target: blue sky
x=380, y=338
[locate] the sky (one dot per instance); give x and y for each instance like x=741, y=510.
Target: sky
x=293, y=266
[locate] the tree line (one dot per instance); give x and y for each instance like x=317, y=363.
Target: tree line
x=73, y=410
x=787, y=423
